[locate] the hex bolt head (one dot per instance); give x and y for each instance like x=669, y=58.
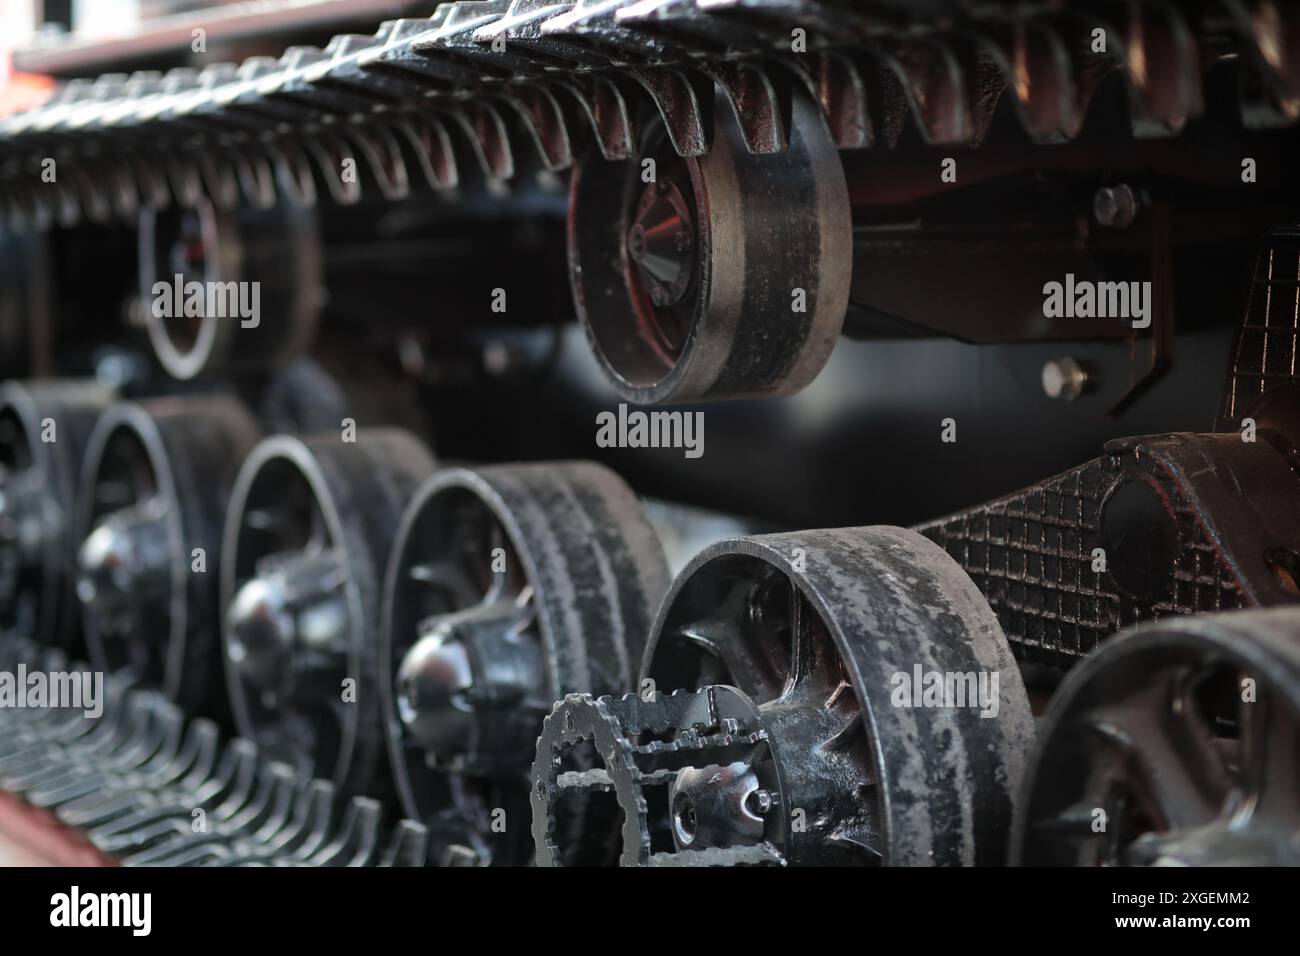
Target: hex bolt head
x=759, y=802
x=1115, y=206
x=1064, y=378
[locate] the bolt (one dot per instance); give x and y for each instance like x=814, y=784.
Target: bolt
x=759, y=802
x=1064, y=378
x=636, y=242
x=1115, y=206
x=498, y=359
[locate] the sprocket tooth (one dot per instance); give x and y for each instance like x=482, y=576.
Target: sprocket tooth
x=1270, y=32
x=485, y=130
x=1161, y=67
x=544, y=122
x=428, y=138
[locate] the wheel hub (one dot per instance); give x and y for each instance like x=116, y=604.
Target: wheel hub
x=463, y=688
x=289, y=624
x=661, y=242
x=123, y=566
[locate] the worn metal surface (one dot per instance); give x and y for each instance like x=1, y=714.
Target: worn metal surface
x=1174, y=744
x=813, y=628
x=517, y=81
x=307, y=532
x=39, y=484
x=1184, y=523
x=689, y=286
x=144, y=785
x=155, y=480
x=508, y=587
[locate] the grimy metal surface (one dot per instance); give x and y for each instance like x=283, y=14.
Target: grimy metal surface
x=508, y=587
x=518, y=81
x=1160, y=525
x=812, y=629
x=719, y=225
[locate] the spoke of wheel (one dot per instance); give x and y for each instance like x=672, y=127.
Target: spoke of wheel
x=803, y=650
x=1076, y=820
x=861, y=834
x=719, y=637
x=1176, y=766
x=518, y=608
x=767, y=632
x=526, y=606
x=844, y=703
x=334, y=570
x=318, y=535
x=450, y=577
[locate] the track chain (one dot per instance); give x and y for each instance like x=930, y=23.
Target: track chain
x=147, y=786
x=490, y=89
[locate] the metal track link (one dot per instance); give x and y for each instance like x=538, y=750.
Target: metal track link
x=149, y=787
x=510, y=85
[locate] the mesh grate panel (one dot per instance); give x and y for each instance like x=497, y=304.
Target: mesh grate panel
x=1266, y=350
x=1031, y=554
